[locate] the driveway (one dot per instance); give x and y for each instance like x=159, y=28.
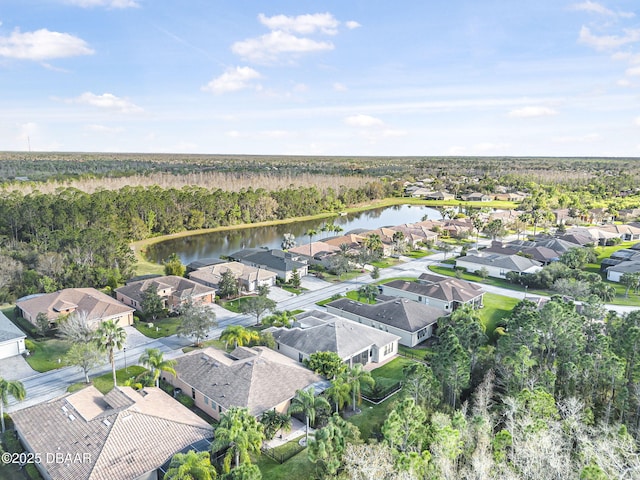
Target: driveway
x=312, y=283
x=15, y=368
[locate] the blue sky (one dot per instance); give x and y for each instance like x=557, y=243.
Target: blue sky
x=347, y=77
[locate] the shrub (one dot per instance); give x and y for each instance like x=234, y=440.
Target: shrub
x=30, y=345
x=185, y=400
x=32, y=471
x=11, y=442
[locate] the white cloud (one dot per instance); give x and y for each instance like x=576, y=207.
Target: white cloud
x=391, y=132
x=637, y=121
x=233, y=80
x=606, y=42
x=300, y=88
x=623, y=82
x=103, y=129
x=529, y=112
x=487, y=147
x=594, y=7
x=107, y=101
x=269, y=47
x=339, y=87
x=351, y=24
x=363, y=121
x=233, y=134
x=303, y=24
x=633, y=71
x=27, y=130
x=589, y=137
x=42, y=45
x=104, y=3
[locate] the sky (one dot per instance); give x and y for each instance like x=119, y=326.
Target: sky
x=299, y=77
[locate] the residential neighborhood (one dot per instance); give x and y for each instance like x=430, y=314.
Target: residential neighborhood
x=263, y=368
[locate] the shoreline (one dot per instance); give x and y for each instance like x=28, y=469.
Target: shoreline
x=144, y=266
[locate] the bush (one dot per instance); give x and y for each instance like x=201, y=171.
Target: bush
x=185, y=400
x=30, y=345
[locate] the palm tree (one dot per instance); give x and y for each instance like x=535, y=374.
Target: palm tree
x=153, y=359
x=109, y=337
x=339, y=392
x=308, y=404
x=280, y=319
x=273, y=422
x=190, y=466
x=13, y=388
x=373, y=244
x=238, y=335
x=241, y=433
x=355, y=377
x=310, y=233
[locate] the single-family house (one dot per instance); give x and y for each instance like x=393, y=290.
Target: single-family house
x=596, y=234
x=174, y=291
x=315, y=253
x=123, y=435
x=413, y=322
x=420, y=192
x=414, y=234
x=278, y=261
x=11, y=338
x=499, y=265
x=477, y=197
x=444, y=293
x=95, y=305
x=624, y=232
x=256, y=378
x=317, y=331
x=248, y=278
x=615, y=272
x=439, y=196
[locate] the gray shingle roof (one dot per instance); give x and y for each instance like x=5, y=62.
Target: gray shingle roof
x=400, y=313
x=256, y=378
x=334, y=334
x=8, y=331
x=629, y=266
x=275, y=259
x=111, y=443
x=510, y=262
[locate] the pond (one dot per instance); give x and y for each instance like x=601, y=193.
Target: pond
x=213, y=245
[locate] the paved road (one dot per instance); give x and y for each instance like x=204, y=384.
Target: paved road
x=45, y=386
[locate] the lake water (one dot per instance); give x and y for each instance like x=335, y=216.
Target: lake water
x=212, y=245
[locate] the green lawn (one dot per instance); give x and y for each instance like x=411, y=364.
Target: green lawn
x=385, y=262
x=164, y=327
x=496, y=308
x=104, y=383
x=418, y=254
x=298, y=467
x=387, y=280
x=47, y=353
x=289, y=289
x=605, y=252
x=373, y=416
x=235, y=305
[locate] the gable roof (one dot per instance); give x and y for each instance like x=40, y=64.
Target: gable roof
x=318, y=248
x=94, y=303
x=275, y=259
x=449, y=289
x=400, y=313
x=121, y=435
x=181, y=287
x=213, y=273
x=515, y=263
x=328, y=332
x=629, y=266
x=256, y=378
x=8, y=330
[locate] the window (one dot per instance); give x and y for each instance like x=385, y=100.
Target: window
x=193, y=393
x=206, y=400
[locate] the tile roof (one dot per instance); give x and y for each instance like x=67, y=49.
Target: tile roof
x=316, y=248
x=111, y=443
x=213, y=274
x=182, y=288
x=402, y=313
x=256, y=378
x=8, y=331
x=332, y=333
x=94, y=303
x=449, y=289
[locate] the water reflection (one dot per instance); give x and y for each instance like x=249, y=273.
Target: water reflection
x=223, y=243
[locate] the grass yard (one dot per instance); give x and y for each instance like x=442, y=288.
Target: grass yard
x=234, y=305
x=387, y=280
x=418, y=254
x=496, y=308
x=373, y=416
x=104, y=383
x=163, y=327
x=297, y=466
x=46, y=355
x=385, y=262
x=353, y=295
x=605, y=252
